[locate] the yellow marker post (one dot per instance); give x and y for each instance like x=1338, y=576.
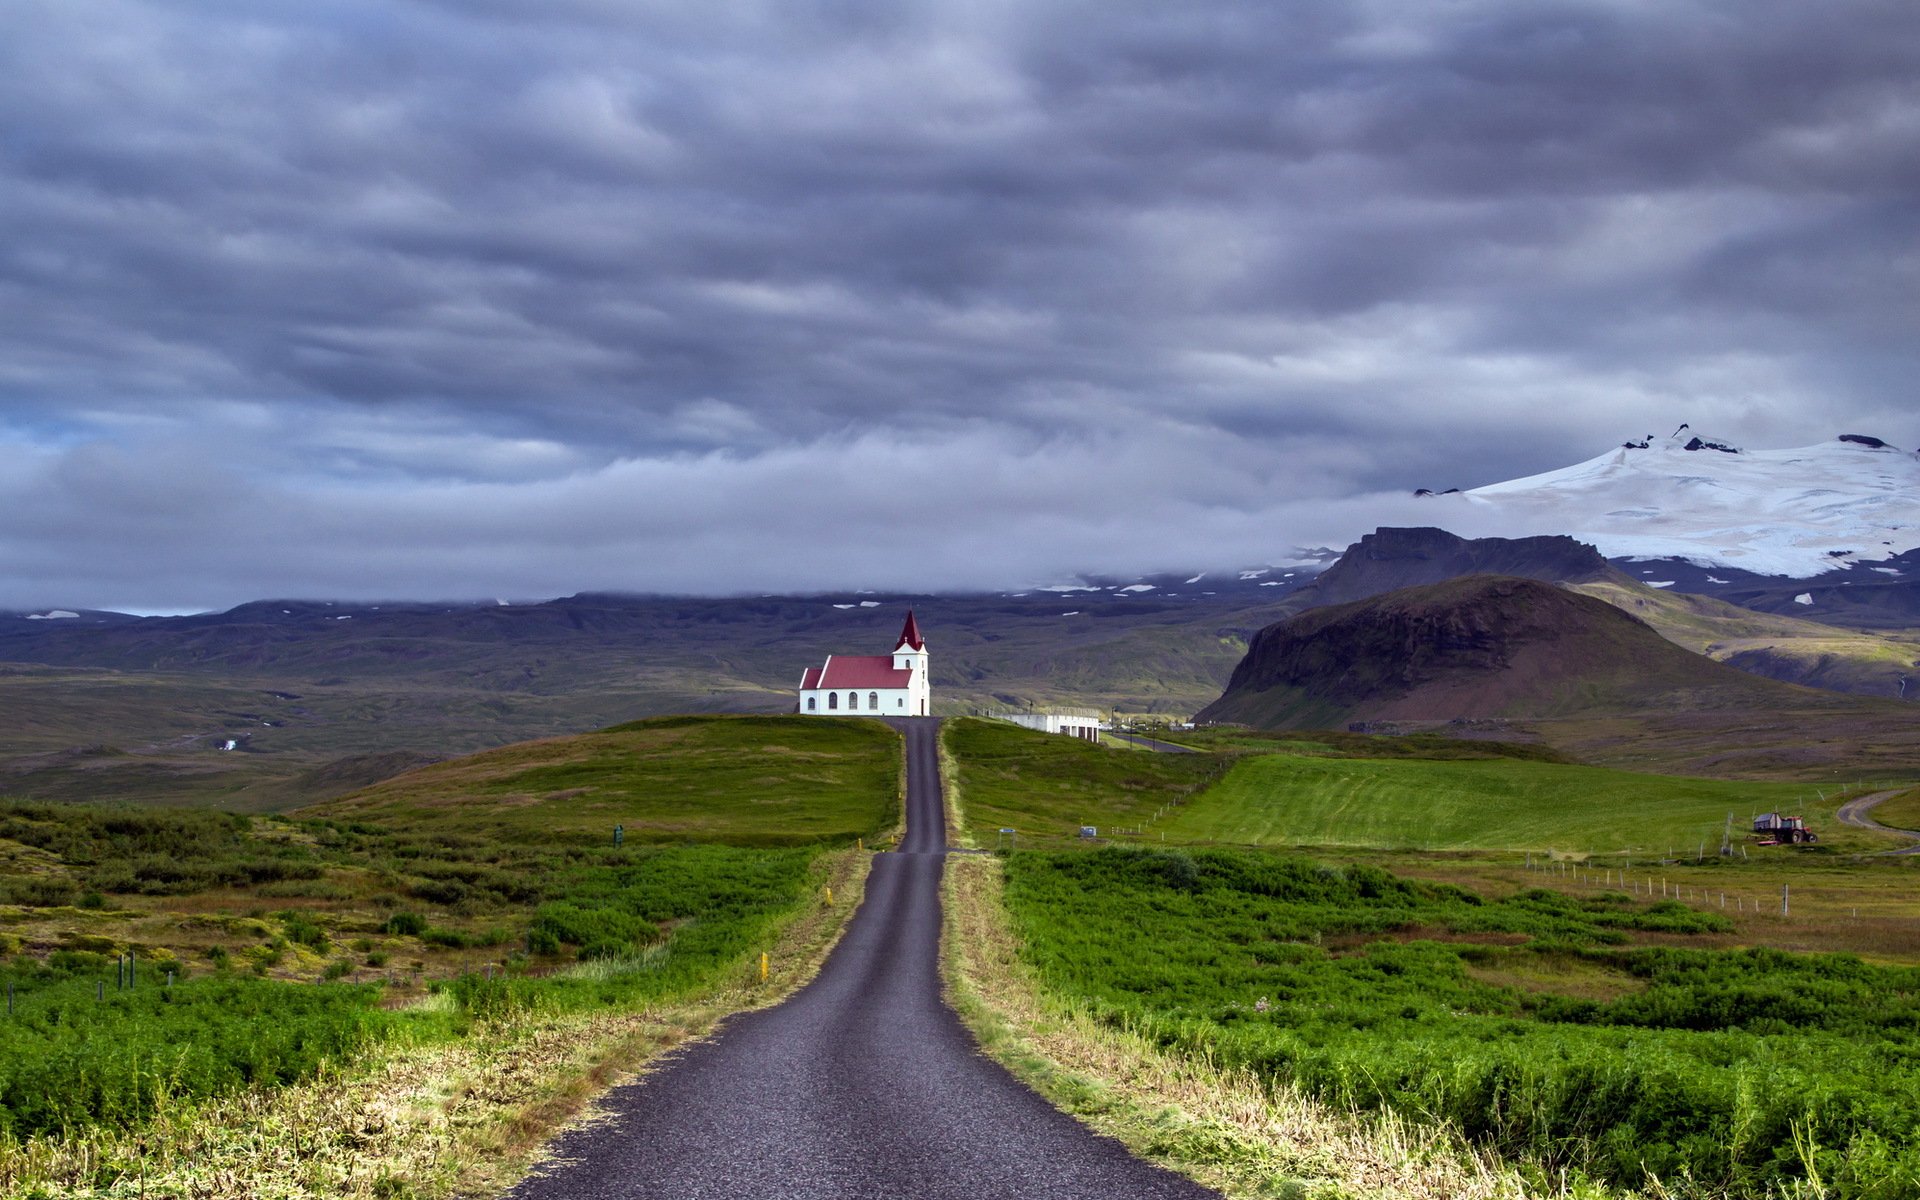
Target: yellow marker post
x=763, y=966
x=829, y=897
x=860, y=844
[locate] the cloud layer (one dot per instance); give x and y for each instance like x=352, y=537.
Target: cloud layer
x=371, y=298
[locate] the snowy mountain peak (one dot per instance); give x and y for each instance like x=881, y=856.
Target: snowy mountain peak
x=1798, y=512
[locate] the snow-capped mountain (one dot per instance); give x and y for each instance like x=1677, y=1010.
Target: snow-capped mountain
x=1797, y=513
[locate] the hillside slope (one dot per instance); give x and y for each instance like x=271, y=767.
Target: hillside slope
x=1785, y=648
x=1477, y=647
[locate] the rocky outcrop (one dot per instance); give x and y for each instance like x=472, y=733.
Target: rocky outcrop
x=1392, y=558
x=1477, y=647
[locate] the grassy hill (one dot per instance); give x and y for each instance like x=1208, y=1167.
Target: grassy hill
x=1788, y=649
x=741, y=780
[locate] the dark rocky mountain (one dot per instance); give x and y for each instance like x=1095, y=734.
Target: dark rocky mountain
x=1476, y=647
x=1392, y=558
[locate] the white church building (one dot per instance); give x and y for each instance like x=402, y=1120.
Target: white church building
x=871, y=685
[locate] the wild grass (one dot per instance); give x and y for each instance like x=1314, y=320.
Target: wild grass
x=744, y=780
x=458, y=1116
x=1247, y=1137
x=1714, y=1073
x=469, y=902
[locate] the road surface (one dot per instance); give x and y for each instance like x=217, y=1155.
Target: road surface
x=862, y=1086
x=1854, y=813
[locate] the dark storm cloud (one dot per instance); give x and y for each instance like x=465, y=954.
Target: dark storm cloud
x=548, y=295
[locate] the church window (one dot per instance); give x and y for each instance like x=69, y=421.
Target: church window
x=900, y=703
x=833, y=699
x=873, y=701
x=813, y=702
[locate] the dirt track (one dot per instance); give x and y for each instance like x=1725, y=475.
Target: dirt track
x=863, y=1086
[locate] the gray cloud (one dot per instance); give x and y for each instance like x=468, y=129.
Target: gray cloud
x=374, y=298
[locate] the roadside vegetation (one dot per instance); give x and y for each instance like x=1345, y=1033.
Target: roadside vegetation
x=161, y=960
x=1472, y=964
x=1573, y=1036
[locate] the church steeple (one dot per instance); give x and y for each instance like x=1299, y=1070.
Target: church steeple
x=910, y=634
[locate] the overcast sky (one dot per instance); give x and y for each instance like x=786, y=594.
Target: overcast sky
x=466, y=298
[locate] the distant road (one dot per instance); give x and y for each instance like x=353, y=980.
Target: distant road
x=1854, y=813
x=1149, y=743
x=862, y=1086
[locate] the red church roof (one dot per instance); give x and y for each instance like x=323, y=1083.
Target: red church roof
x=910, y=634
x=857, y=671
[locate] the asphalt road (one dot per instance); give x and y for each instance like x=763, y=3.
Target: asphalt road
x=1854, y=813
x=862, y=1086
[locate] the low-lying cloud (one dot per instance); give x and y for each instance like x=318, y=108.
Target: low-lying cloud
x=404, y=299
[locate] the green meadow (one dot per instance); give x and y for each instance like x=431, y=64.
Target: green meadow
x=1294, y=800
x=1579, y=1038
x=1046, y=786
x=737, y=779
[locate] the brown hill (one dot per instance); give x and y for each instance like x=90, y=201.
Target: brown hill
x=1477, y=647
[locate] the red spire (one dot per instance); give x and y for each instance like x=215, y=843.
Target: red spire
x=910, y=634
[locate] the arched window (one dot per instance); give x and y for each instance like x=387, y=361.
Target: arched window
x=833, y=699
x=813, y=702
x=853, y=701
x=873, y=701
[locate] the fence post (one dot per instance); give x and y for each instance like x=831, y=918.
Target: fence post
x=1783, y=899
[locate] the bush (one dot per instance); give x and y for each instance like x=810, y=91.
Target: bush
x=405, y=924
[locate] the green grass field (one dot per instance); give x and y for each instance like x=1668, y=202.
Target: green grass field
x=1900, y=812
x=742, y=780
x=1047, y=786
x=1293, y=800
x=1600, y=1036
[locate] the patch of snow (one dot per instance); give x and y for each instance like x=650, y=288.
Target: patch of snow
x=1137, y=587
x=1886, y=570
x=1198, y=578
x=1244, y=575
x=346, y=617
x=1074, y=613
x=869, y=604
x=231, y=745
x=501, y=603
x=1661, y=583
x=1273, y=583
x=1772, y=512
x=1715, y=579
x=1804, y=598
x=1068, y=587
x=55, y=614
x=846, y=606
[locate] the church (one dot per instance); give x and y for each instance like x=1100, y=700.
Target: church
x=871, y=685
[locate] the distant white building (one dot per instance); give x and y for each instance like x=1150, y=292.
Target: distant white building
x=871, y=685
x=1081, y=725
